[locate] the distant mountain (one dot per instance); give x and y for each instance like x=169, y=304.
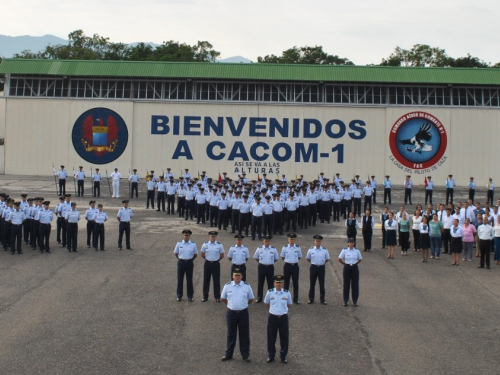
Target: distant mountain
x=10, y=45
x=236, y=59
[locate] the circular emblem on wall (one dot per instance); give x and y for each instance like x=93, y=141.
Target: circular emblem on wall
x=418, y=140
x=100, y=136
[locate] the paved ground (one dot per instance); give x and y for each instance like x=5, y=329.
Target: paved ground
x=115, y=312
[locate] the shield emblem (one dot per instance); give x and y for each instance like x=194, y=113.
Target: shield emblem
x=99, y=134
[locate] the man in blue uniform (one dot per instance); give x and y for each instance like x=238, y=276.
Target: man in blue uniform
x=291, y=255
x=186, y=252
x=237, y=295
x=350, y=257
x=277, y=299
x=212, y=251
x=266, y=255
x=124, y=216
x=318, y=256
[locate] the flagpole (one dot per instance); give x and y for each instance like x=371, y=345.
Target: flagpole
x=74, y=178
x=92, y=181
x=107, y=176
x=55, y=181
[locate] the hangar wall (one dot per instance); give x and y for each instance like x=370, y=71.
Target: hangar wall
x=258, y=138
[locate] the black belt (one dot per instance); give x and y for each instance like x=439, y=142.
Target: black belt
x=315, y=265
x=99, y=223
x=44, y=224
x=278, y=316
x=16, y=225
x=236, y=311
x=212, y=261
x=292, y=264
x=266, y=265
x=349, y=265
x=185, y=260
x=239, y=265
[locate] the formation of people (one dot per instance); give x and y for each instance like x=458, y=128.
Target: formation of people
x=238, y=294
x=30, y=221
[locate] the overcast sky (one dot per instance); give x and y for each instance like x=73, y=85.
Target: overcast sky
x=364, y=31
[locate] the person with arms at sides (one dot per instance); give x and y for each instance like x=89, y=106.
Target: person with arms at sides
x=238, y=255
x=367, y=224
x=456, y=248
x=404, y=234
x=265, y=255
x=186, y=252
x=72, y=218
x=212, y=251
x=237, y=295
x=424, y=241
x=485, y=234
x=429, y=188
x=291, y=254
x=435, y=235
x=383, y=218
x=352, y=226
x=350, y=257
x=468, y=240
x=391, y=230
x=124, y=216
x=416, y=221
x=472, y=189
x=277, y=300
x=99, y=218
x=318, y=256
x=496, y=239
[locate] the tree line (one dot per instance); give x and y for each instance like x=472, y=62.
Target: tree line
x=96, y=47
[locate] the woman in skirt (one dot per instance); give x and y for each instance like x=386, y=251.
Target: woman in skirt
x=416, y=221
x=404, y=234
x=424, y=241
x=391, y=230
x=457, y=233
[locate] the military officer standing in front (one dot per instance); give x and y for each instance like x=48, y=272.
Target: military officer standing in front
x=80, y=178
x=124, y=216
x=237, y=295
x=212, y=251
x=72, y=217
x=134, y=184
x=266, y=255
x=99, y=218
x=96, y=191
x=63, y=175
x=186, y=252
x=16, y=219
x=291, y=255
x=89, y=215
x=44, y=217
x=318, y=256
x=278, y=299
x=238, y=255
x=350, y=257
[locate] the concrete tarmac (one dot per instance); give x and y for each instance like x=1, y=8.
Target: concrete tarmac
x=115, y=312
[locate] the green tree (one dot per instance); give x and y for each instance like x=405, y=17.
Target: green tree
x=418, y=55
x=141, y=52
x=469, y=62
x=305, y=55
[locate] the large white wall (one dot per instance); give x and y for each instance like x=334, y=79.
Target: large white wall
x=38, y=134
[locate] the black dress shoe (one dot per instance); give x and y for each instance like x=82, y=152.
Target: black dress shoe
x=48, y=251
x=246, y=359
x=284, y=360
x=480, y=267
x=297, y=302
x=217, y=300
x=119, y=247
x=345, y=304
x=190, y=299
x=323, y=303
x=356, y=305
x=226, y=358
x=179, y=299
x=310, y=302
x=258, y=300
x=204, y=300
x=270, y=360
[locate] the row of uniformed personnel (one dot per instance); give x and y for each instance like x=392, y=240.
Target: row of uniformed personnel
x=212, y=251
x=34, y=217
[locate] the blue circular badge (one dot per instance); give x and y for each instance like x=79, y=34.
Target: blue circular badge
x=100, y=136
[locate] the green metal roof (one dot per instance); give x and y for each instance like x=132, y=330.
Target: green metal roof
x=266, y=72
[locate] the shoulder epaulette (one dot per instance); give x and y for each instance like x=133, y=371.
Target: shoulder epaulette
x=271, y=289
x=228, y=283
